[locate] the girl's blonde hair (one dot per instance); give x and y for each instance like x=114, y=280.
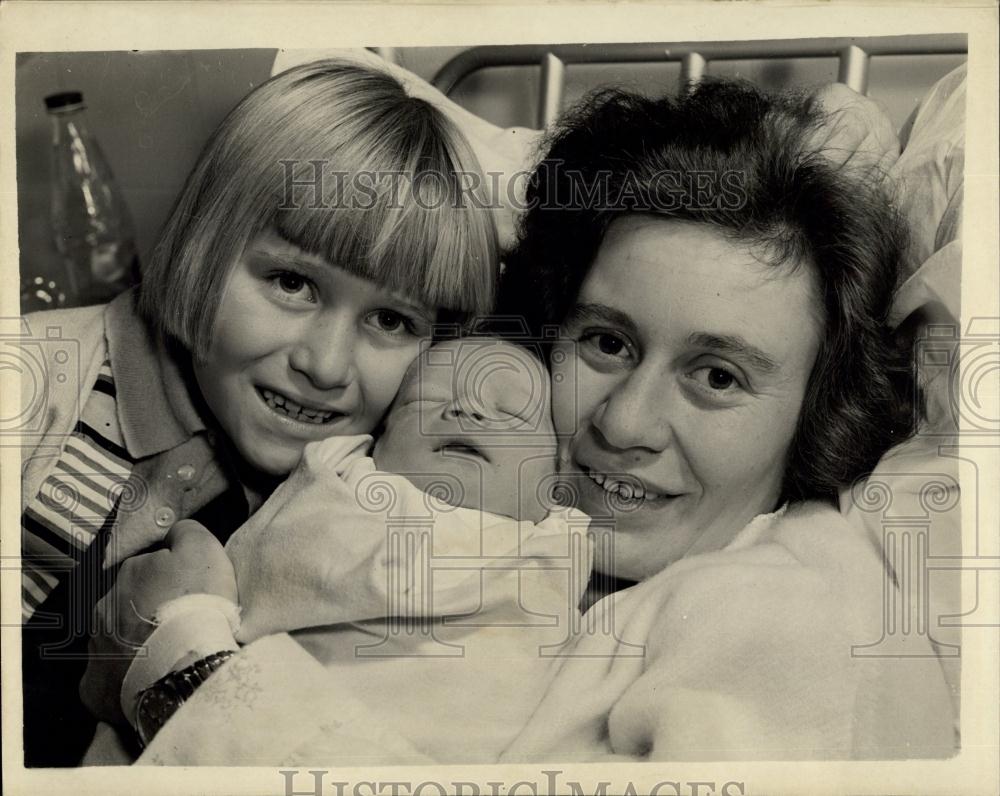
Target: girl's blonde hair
x=339, y=160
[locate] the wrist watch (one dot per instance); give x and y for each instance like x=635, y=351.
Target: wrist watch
x=161, y=700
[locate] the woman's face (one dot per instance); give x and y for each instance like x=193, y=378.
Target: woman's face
x=678, y=386
x=303, y=350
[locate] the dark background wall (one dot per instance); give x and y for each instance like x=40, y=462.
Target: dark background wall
x=152, y=111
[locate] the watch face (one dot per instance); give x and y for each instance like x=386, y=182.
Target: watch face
x=160, y=701
x=156, y=705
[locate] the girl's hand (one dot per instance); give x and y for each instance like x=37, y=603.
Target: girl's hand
x=192, y=561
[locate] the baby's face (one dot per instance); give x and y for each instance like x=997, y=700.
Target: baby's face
x=477, y=411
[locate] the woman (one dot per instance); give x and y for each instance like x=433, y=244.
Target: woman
x=287, y=296
x=722, y=285
x=724, y=306
x=792, y=388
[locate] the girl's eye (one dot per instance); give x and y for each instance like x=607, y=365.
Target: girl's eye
x=292, y=286
x=391, y=322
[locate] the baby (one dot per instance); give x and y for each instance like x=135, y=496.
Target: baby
x=432, y=578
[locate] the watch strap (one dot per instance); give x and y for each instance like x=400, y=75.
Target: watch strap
x=161, y=700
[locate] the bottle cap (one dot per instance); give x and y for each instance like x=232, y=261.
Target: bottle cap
x=64, y=100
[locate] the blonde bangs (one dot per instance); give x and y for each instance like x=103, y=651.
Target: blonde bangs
x=434, y=239
x=442, y=253
x=400, y=203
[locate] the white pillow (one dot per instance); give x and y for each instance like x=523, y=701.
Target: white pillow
x=910, y=504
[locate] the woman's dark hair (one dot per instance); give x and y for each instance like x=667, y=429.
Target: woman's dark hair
x=752, y=165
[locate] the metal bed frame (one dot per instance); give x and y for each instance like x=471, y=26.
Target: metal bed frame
x=853, y=55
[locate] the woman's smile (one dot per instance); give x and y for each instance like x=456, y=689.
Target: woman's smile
x=626, y=487
x=607, y=492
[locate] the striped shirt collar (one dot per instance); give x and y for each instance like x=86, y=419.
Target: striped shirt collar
x=155, y=409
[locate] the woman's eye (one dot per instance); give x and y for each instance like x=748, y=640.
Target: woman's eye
x=609, y=344
x=606, y=343
x=716, y=378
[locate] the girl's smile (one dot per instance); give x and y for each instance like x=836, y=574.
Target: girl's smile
x=295, y=411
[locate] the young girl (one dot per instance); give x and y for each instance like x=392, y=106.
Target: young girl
x=325, y=227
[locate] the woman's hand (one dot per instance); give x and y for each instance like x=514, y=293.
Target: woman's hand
x=192, y=561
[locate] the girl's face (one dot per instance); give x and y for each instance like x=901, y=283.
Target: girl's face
x=303, y=350
x=691, y=360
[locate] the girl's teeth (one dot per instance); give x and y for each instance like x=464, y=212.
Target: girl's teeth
x=286, y=406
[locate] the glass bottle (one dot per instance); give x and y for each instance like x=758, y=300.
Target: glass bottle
x=91, y=224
